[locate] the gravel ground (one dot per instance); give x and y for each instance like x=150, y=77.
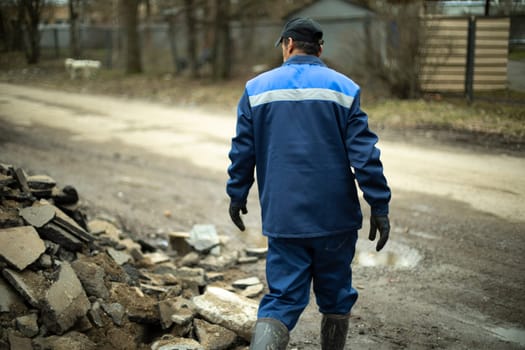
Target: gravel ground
x=450, y=278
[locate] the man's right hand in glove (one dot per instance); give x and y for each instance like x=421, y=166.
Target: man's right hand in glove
x=235, y=214
x=382, y=224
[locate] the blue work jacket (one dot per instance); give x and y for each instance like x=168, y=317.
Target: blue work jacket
x=301, y=126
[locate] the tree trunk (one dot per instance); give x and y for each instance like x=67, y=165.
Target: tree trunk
x=74, y=44
x=29, y=15
x=173, y=45
x=150, y=55
x=192, y=37
x=3, y=33
x=222, y=47
x=132, y=52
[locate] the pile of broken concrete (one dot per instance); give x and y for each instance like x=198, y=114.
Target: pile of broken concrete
x=71, y=283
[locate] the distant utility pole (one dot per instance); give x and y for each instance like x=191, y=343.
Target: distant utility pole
x=487, y=7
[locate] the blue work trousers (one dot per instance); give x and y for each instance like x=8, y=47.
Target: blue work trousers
x=291, y=266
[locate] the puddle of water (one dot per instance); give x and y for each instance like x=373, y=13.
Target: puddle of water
x=395, y=255
x=135, y=181
x=514, y=335
x=422, y=234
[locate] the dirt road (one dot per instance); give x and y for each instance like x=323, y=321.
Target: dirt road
x=452, y=276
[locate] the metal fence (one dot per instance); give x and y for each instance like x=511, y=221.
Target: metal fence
x=460, y=55
x=251, y=44
x=465, y=54
x=160, y=43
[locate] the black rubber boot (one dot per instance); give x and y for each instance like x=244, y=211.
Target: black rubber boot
x=334, y=329
x=269, y=334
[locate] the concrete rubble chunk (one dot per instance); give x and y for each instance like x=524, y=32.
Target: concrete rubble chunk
x=149, y=288
x=113, y=271
x=60, y=236
x=258, y=252
x=178, y=310
x=247, y=259
x=104, y=228
x=195, y=275
x=41, y=182
x=204, y=238
x=176, y=343
x=45, y=261
x=234, y=312
x=9, y=215
x=190, y=259
x=51, y=247
x=69, y=284
x=178, y=242
x=28, y=325
x=130, y=245
x=20, y=246
x=219, y=263
x=157, y=257
x=253, y=291
x=92, y=277
x=120, y=257
x=70, y=225
x=6, y=180
x=21, y=177
x=5, y=168
x=184, y=311
x=38, y=215
x=10, y=301
x=214, y=276
x=121, y=338
x=140, y=307
x=41, y=193
x=94, y=314
x=116, y=311
x=19, y=342
x=161, y=279
x=65, y=301
x=83, y=324
x=30, y=285
x=69, y=341
x=246, y=282
x=212, y=336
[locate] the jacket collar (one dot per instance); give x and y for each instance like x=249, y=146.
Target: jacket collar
x=304, y=59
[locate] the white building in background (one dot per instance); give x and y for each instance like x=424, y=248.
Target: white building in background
x=476, y=7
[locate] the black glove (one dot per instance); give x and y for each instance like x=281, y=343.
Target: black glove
x=235, y=210
x=383, y=224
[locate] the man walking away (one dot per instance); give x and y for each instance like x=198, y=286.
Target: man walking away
x=302, y=127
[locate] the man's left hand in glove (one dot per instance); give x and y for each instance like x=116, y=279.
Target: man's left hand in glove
x=382, y=224
x=235, y=214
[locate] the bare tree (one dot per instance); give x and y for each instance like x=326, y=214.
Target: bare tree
x=29, y=12
x=191, y=28
x=222, y=44
x=74, y=44
x=10, y=26
x=132, y=52
x=399, y=67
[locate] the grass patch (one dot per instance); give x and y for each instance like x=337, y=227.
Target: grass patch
x=517, y=54
x=485, y=117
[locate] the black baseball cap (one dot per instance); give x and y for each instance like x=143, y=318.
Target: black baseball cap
x=302, y=29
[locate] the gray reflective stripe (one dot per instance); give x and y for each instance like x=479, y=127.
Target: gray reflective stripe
x=301, y=94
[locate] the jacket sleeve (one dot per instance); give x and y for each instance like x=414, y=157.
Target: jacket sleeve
x=364, y=159
x=242, y=155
